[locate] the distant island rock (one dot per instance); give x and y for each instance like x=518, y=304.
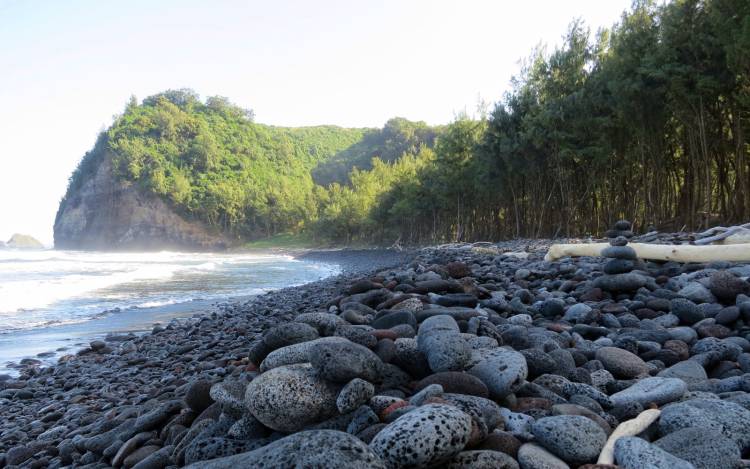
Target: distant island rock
x=22, y=241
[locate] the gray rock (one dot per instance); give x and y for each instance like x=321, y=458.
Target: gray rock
x=503, y=371
x=315, y=448
x=140, y=455
x=482, y=459
x=618, y=266
x=712, y=415
x=153, y=418
x=685, y=334
x=634, y=453
x=689, y=371
x=621, y=282
x=686, y=310
x=247, y=428
x=430, y=435
x=341, y=362
x=518, y=424
x=362, y=418
x=325, y=323
x=354, y=394
x=289, y=334
x=552, y=307
x=296, y=353
x=480, y=408
x=619, y=252
x=231, y=395
x=198, y=396
x=692, y=445
x=439, y=339
x=19, y=454
x=157, y=460
x=433, y=390
x=579, y=313
x=291, y=397
x=621, y=363
x=533, y=456
x=651, y=390
x=725, y=349
x=204, y=449
x=395, y=318
x=573, y=438
x=726, y=286
x=360, y=334
x=696, y=292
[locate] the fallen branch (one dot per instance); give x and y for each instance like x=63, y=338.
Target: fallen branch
x=658, y=252
x=627, y=428
x=732, y=235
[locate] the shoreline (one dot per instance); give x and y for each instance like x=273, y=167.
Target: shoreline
x=56, y=340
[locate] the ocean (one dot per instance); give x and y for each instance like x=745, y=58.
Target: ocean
x=55, y=301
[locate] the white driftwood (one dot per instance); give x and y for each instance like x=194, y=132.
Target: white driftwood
x=627, y=428
x=659, y=252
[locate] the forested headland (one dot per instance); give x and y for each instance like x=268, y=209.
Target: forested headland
x=646, y=120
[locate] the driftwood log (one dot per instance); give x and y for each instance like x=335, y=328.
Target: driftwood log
x=659, y=252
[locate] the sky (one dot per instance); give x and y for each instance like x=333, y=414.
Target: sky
x=66, y=68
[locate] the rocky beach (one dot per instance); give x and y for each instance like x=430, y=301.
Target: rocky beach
x=460, y=356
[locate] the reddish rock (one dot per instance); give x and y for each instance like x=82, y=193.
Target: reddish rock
x=456, y=382
x=458, y=269
x=501, y=441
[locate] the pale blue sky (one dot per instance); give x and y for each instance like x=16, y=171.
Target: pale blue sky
x=66, y=67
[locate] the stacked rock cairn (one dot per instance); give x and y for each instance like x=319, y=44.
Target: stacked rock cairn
x=618, y=275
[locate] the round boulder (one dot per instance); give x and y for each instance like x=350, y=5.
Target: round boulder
x=573, y=438
x=291, y=397
x=503, y=371
x=341, y=362
x=429, y=435
x=621, y=363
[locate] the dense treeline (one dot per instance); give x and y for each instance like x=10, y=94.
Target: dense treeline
x=646, y=120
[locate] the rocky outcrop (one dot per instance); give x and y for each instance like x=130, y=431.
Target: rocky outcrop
x=22, y=241
x=110, y=215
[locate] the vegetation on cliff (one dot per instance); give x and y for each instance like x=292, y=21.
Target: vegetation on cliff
x=647, y=119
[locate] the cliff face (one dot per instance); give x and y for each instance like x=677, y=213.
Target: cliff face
x=103, y=214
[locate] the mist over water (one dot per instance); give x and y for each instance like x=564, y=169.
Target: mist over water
x=48, y=291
